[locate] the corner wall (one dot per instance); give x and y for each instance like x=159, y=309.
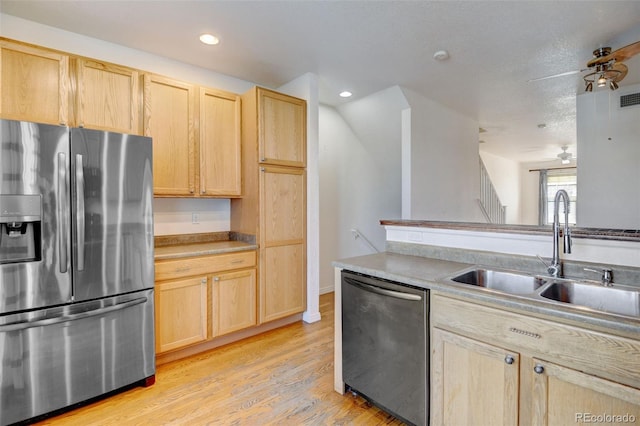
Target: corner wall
x=307, y=87
x=360, y=176
x=445, y=172
x=609, y=160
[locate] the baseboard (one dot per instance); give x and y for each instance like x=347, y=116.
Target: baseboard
x=224, y=340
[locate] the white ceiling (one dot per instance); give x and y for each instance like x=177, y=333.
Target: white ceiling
x=367, y=46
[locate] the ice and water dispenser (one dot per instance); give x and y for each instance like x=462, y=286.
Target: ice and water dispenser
x=20, y=228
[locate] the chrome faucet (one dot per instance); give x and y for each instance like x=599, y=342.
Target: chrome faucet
x=555, y=269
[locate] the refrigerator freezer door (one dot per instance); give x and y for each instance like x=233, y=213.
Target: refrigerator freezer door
x=56, y=357
x=34, y=188
x=112, y=213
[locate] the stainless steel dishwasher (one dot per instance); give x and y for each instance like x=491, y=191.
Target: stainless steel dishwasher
x=385, y=345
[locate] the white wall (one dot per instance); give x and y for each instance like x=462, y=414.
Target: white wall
x=176, y=216
x=444, y=164
x=360, y=172
x=505, y=176
x=609, y=160
x=604, y=252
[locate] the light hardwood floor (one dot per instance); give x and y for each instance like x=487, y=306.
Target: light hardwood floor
x=283, y=377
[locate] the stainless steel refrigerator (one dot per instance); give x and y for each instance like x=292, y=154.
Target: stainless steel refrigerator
x=76, y=266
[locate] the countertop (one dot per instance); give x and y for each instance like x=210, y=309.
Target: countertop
x=201, y=249
x=433, y=274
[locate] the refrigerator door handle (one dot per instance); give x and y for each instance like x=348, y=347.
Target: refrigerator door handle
x=72, y=317
x=80, y=211
x=63, y=212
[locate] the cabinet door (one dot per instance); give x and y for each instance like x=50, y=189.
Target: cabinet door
x=34, y=84
x=107, y=97
x=219, y=143
x=181, y=313
x=282, y=129
x=283, y=205
x=562, y=396
x=233, y=302
x=282, y=238
x=169, y=120
x=282, y=281
x=472, y=383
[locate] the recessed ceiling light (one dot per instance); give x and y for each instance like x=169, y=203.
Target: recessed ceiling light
x=209, y=39
x=346, y=94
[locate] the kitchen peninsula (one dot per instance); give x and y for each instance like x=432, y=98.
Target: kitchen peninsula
x=503, y=358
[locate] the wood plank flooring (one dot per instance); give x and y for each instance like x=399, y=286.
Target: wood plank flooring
x=282, y=377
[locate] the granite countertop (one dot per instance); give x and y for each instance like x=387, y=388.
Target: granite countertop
x=201, y=249
x=433, y=274
x=190, y=245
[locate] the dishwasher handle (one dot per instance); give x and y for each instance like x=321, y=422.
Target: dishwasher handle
x=384, y=291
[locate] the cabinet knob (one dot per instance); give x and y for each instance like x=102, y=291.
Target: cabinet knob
x=216, y=278
x=203, y=281
x=509, y=359
x=539, y=369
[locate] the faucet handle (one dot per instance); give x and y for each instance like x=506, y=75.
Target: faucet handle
x=543, y=261
x=606, y=275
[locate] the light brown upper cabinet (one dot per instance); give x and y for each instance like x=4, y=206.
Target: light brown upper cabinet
x=219, y=143
x=107, y=96
x=34, y=84
x=196, y=138
x=282, y=128
x=169, y=118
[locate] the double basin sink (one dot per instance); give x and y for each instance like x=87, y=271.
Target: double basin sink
x=617, y=299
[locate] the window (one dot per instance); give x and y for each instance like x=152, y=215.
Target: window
x=551, y=181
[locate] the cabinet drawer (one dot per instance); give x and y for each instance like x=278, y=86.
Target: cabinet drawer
x=595, y=353
x=169, y=269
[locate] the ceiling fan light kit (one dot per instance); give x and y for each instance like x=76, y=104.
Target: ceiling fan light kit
x=608, y=66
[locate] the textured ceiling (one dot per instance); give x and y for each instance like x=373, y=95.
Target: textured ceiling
x=367, y=46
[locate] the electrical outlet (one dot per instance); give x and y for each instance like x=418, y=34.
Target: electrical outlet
x=195, y=218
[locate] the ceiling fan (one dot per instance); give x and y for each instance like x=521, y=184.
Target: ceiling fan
x=564, y=156
x=606, y=67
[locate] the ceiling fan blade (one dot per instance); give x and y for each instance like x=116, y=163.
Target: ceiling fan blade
x=555, y=75
x=622, y=68
x=619, y=55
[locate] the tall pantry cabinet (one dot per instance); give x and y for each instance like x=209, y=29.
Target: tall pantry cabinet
x=273, y=206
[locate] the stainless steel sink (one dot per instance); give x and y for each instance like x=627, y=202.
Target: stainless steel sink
x=616, y=300
x=504, y=281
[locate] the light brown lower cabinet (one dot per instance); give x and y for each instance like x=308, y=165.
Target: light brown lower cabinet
x=181, y=313
x=472, y=383
x=200, y=298
x=233, y=297
x=563, y=396
x=490, y=366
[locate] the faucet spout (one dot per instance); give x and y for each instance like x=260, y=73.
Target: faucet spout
x=555, y=269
